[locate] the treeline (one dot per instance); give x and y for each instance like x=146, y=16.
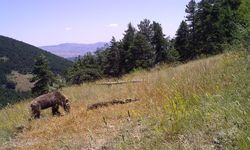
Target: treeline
x=208, y=27
x=142, y=48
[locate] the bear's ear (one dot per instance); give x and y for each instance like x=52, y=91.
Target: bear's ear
x=67, y=101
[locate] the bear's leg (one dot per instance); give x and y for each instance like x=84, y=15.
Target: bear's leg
x=36, y=112
x=37, y=115
x=55, y=110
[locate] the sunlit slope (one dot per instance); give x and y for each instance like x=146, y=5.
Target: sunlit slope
x=201, y=104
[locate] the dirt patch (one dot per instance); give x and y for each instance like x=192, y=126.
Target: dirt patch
x=21, y=144
x=22, y=81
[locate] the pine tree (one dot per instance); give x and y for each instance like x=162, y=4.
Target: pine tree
x=191, y=10
x=243, y=14
x=229, y=19
x=43, y=78
x=101, y=58
x=216, y=24
x=173, y=54
x=208, y=31
x=84, y=70
x=182, y=41
x=73, y=74
x=112, y=66
x=126, y=53
x=143, y=53
x=159, y=43
x=145, y=27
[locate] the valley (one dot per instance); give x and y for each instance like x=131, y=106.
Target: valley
x=73, y=50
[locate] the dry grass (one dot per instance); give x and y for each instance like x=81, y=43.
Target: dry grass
x=170, y=99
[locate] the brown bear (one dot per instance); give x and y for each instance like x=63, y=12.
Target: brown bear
x=53, y=100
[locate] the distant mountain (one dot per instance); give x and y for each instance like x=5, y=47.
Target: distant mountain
x=72, y=50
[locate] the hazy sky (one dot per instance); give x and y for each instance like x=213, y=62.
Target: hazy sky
x=49, y=22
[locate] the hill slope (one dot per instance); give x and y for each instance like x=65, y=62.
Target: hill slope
x=72, y=50
x=203, y=104
x=19, y=56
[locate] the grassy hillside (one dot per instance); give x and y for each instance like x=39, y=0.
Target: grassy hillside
x=204, y=104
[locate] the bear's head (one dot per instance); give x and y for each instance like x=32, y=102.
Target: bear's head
x=66, y=106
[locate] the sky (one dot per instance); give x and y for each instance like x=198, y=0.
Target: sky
x=51, y=22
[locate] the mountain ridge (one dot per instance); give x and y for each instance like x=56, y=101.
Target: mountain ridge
x=69, y=50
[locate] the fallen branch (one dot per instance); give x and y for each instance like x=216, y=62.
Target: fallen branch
x=119, y=82
x=109, y=103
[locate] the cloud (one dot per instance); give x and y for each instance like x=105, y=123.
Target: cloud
x=67, y=28
x=113, y=25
